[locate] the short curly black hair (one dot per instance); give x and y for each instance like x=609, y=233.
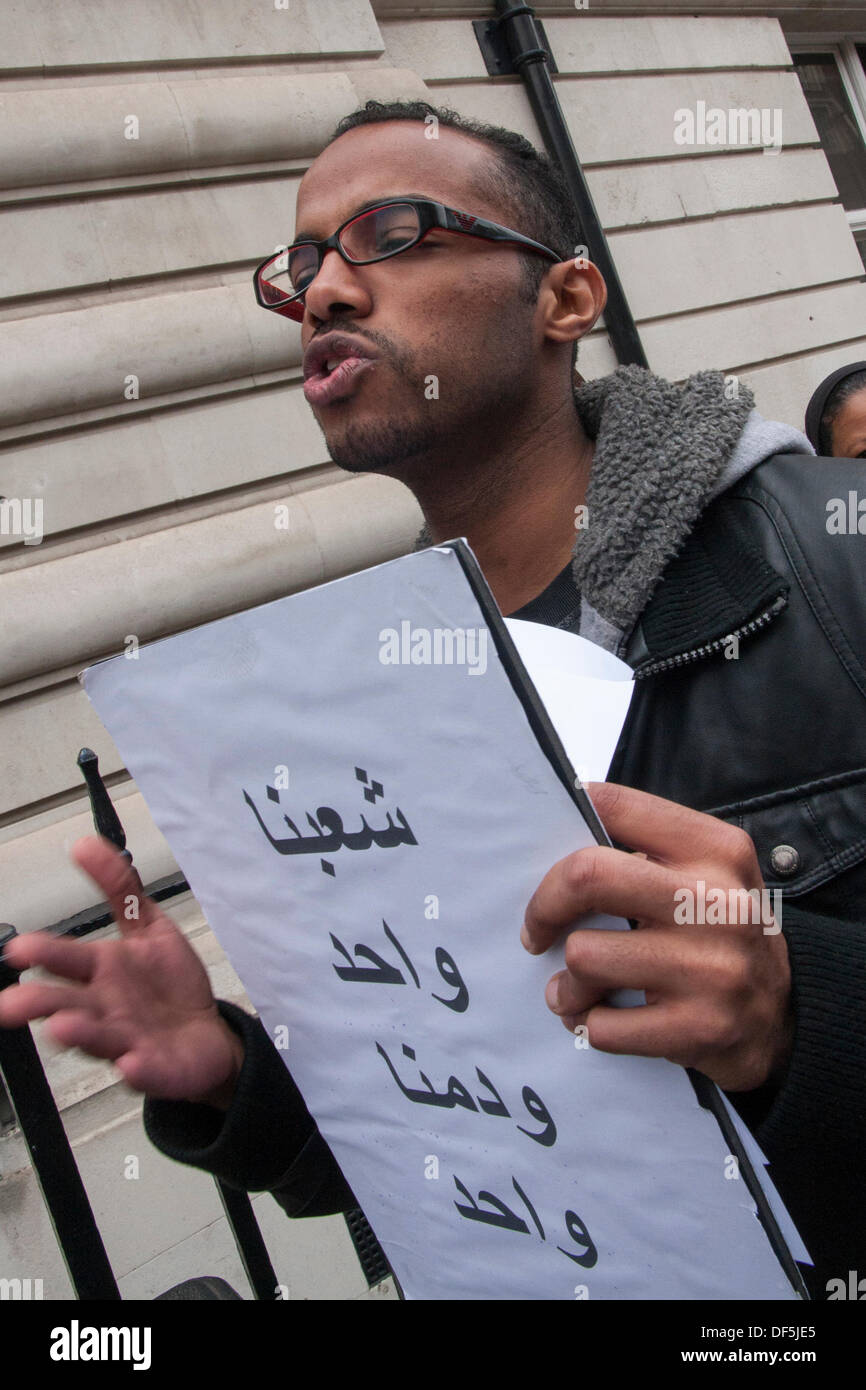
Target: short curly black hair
x=532, y=193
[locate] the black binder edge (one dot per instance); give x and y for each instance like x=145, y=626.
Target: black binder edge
x=706, y=1091
x=524, y=689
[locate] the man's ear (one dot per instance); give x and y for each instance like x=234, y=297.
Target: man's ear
x=572, y=300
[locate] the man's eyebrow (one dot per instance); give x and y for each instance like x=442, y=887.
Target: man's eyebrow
x=364, y=207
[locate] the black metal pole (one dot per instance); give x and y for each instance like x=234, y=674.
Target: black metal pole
x=50, y=1152
x=529, y=58
x=249, y=1241
x=105, y=818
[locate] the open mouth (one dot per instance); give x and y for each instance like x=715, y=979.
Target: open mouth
x=322, y=360
x=331, y=365
x=334, y=378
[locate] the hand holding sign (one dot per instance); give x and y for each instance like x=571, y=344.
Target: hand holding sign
x=143, y=1002
x=718, y=993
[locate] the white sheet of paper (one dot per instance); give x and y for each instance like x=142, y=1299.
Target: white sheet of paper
x=586, y=691
x=439, y=1116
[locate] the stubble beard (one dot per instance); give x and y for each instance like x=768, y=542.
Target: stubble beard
x=384, y=447
x=432, y=444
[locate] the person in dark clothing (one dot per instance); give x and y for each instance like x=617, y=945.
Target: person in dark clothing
x=706, y=565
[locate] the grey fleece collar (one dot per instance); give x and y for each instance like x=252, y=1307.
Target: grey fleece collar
x=662, y=453
x=659, y=448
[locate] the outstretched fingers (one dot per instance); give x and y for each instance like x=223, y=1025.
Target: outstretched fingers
x=77, y=1028
x=20, y=1004
x=74, y=960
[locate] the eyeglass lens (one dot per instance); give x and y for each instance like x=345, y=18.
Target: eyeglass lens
x=368, y=237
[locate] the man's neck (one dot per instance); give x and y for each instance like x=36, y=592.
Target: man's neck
x=517, y=511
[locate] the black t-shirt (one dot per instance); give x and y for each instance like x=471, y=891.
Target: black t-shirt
x=556, y=606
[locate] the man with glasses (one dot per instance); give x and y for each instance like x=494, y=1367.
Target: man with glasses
x=453, y=258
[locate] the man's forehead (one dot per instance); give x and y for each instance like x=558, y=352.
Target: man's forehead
x=390, y=159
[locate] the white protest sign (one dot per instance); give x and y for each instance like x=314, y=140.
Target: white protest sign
x=363, y=825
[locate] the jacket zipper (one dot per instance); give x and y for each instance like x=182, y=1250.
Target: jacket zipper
x=698, y=653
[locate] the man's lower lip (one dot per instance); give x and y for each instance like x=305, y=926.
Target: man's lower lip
x=323, y=390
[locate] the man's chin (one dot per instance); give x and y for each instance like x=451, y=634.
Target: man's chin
x=389, y=449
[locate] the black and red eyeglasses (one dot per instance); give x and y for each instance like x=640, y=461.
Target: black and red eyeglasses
x=375, y=234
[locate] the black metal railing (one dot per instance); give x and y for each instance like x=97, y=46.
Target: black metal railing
x=26, y=1099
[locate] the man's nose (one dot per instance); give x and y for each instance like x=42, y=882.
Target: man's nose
x=337, y=286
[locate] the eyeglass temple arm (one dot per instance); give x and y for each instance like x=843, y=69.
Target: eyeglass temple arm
x=491, y=231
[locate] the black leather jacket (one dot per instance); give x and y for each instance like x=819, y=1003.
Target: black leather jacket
x=774, y=740
x=751, y=705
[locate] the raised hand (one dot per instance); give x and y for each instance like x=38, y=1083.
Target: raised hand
x=144, y=1001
